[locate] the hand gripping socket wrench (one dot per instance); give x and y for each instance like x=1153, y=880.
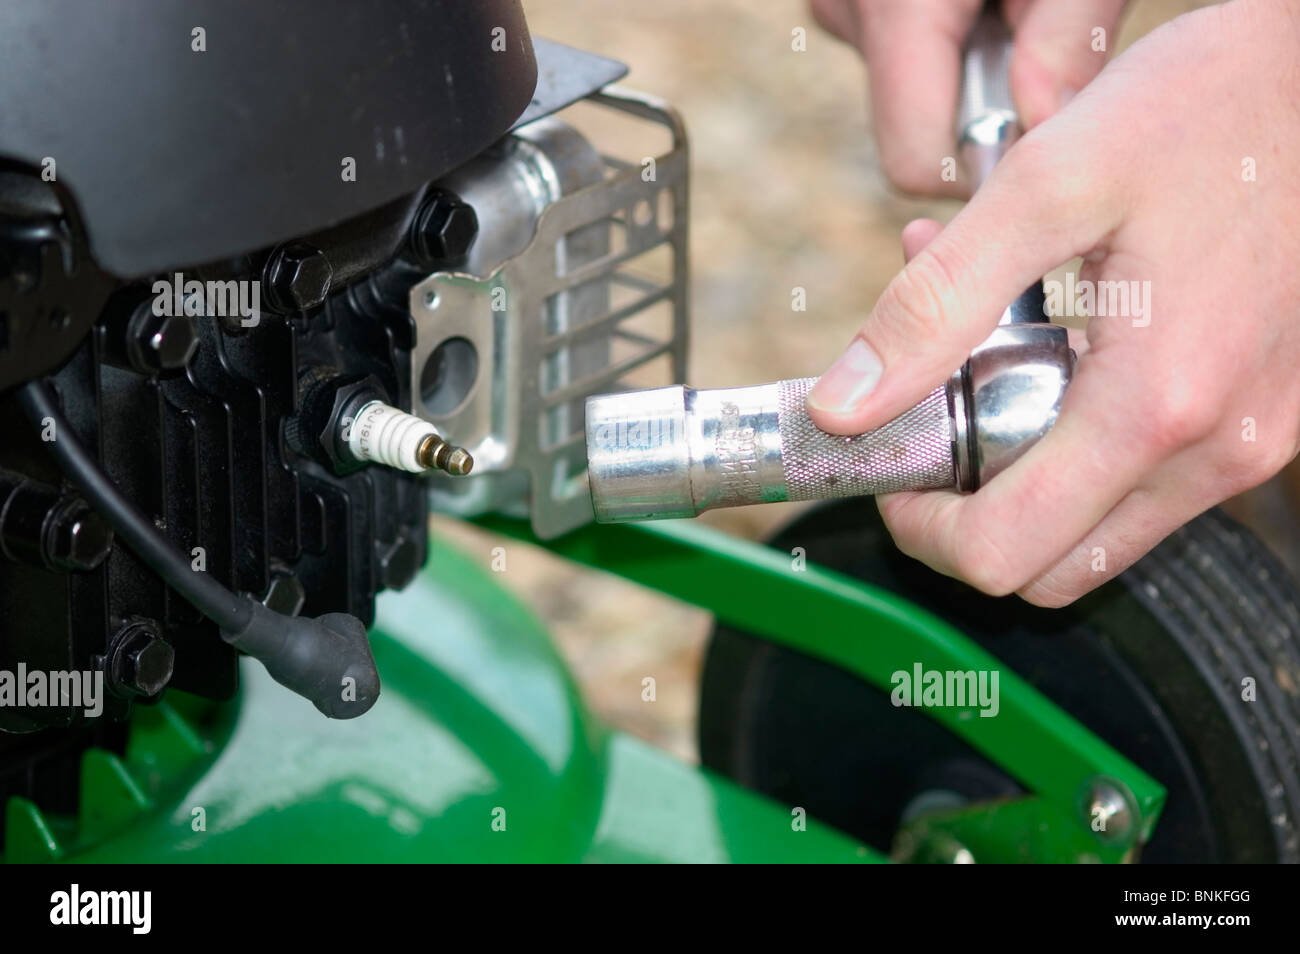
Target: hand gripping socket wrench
x=677, y=451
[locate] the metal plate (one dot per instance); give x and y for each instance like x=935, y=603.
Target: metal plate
x=566, y=75
x=550, y=327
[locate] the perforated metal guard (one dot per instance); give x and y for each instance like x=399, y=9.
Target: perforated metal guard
x=563, y=334
x=911, y=452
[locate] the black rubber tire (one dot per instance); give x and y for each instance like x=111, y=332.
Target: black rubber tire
x=1153, y=662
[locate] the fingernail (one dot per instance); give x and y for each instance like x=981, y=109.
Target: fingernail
x=1067, y=94
x=848, y=381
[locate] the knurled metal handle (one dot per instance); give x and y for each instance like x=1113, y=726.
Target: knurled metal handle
x=678, y=451
x=911, y=452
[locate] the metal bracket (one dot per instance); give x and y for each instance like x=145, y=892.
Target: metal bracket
x=872, y=633
x=552, y=325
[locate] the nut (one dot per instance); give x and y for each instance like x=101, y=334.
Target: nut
x=327, y=406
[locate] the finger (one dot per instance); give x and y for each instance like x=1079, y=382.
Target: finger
x=1078, y=338
x=1027, y=519
x=1184, y=486
x=840, y=18
x=1057, y=52
x=913, y=53
x=917, y=234
x=1048, y=200
x=1137, y=524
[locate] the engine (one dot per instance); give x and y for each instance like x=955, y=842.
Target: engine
x=245, y=350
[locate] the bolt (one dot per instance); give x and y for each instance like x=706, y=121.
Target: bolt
x=399, y=563
x=139, y=660
x=285, y=594
x=78, y=537
x=1108, y=811
x=443, y=230
x=297, y=277
x=157, y=343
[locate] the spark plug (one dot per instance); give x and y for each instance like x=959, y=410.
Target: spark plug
x=381, y=434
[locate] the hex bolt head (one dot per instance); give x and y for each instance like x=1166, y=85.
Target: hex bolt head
x=399, y=563
x=348, y=396
x=285, y=594
x=157, y=343
x=78, y=538
x=139, y=661
x=297, y=277
x=443, y=230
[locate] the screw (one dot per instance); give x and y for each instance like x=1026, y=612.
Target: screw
x=139, y=660
x=297, y=277
x=443, y=230
x=78, y=537
x=1106, y=800
x=157, y=343
x=919, y=844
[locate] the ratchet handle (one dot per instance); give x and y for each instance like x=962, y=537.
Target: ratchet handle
x=987, y=124
x=678, y=451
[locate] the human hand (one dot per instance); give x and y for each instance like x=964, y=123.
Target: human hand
x=913, y=53
x=1172, y=170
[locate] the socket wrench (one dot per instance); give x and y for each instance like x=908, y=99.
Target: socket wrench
x=677, y=451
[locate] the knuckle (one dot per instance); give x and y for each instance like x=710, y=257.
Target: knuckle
x=1181, y=415
x=1050, y=592
x=1284, y=453
x=985, y=565
x=908, y=175
x=916, y=302
x=1273, y=457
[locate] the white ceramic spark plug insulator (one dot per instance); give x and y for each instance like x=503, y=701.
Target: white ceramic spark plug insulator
x=387, y=436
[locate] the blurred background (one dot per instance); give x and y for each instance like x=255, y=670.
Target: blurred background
x=786, y=193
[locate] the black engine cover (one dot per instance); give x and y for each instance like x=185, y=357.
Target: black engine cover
x=177, y=156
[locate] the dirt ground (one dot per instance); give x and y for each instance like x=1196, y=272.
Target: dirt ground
x=786, y=192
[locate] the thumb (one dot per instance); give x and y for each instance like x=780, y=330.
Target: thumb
x=1044, y=203
x=1060, y=45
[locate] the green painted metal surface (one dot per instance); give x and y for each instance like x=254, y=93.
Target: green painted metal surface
x=478, y=750
x=874, y=634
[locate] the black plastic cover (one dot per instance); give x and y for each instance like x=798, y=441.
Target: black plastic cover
x=178, y=157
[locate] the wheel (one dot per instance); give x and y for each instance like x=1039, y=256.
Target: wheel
x=1153, y=662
